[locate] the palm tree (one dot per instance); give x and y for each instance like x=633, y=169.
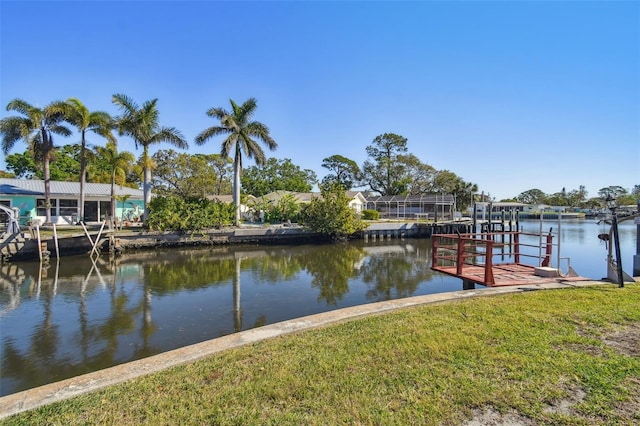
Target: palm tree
x=240, y=131
x=98, y=122
x=36, y=126
x=141, y=123
x=119, y=163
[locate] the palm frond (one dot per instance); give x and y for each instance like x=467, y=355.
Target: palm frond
x=12, y=129
x=217, y=113
x=56, y=111
x=124, y=102
x=254, y=151
x=170, y=135
x=210, y=132
x=228, y=144
x=246, y=110
x=260, y=131
x=20, y=106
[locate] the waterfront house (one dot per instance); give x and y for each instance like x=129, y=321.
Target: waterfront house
x=356, y=199
x=526, y=211
x=427, y=206
x=27, y=196
x=228, y=199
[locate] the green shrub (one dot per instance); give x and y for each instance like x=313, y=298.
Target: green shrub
x=370, y=214
x=331, y=215
x=191, y=214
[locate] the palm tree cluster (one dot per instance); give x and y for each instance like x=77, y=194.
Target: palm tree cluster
x=36, y=126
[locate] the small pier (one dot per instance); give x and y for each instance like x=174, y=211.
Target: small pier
x=400, y=230
x=503, y=258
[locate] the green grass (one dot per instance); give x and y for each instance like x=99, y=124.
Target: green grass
x=433, y=364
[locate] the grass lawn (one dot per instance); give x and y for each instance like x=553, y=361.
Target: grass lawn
x=557, y=357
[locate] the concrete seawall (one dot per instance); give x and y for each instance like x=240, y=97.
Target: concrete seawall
x=121, y=241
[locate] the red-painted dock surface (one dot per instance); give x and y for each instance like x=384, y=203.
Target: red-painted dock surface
x=504, y=275
x=496, y=259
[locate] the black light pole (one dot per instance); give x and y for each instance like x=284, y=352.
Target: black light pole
x=613, y=205
x=636, y=257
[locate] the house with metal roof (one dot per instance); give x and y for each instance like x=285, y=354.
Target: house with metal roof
x=28, y=197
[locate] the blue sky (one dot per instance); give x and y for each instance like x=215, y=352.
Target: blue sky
x=510, y=95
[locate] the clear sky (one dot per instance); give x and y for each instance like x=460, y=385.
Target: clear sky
x=510, y=95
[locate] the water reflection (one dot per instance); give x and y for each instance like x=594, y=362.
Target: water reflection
x=83, y=314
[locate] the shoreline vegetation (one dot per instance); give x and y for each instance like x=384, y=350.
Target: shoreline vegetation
x=563, y=357
x=72, y=240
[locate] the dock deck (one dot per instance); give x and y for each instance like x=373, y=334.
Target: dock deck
x=506, y=274
x=497, y=259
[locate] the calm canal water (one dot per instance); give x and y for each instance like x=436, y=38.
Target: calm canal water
x=78, y=316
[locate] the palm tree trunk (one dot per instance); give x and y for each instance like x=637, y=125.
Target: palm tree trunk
x=46, y=154
x=237, y=166
x=147, y=185
x=83, y=166
x=237, y=313
x=113, y=195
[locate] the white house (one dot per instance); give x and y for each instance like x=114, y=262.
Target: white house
x=356, y=199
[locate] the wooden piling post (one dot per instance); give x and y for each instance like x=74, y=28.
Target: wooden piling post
x=55, y=241
x=39, y=242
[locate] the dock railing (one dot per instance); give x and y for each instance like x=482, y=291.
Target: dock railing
x=459, y=254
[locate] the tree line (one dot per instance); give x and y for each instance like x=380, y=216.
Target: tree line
x=579, y=197
x=36, y=126
x=389, y=169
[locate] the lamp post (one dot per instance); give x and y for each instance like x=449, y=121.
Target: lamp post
x=612, y=205
x=636, y=257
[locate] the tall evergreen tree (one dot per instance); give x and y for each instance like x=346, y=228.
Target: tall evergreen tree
x=382, y=172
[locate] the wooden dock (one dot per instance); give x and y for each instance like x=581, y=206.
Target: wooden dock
x=506, y=274
x=497, y=259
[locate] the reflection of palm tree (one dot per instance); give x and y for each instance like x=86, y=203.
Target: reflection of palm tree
x=45, y=340
x=147, y=328
x=84, y=329
x=35, y=368
x=237, y=313
x=120, y=322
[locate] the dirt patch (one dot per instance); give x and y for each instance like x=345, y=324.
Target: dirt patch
x=490, y=417
x=625, y=340
x=565, y=406
x=631, y=408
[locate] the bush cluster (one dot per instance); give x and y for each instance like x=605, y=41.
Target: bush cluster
x=370, y=214
x=191, y=214
x=331, y=215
